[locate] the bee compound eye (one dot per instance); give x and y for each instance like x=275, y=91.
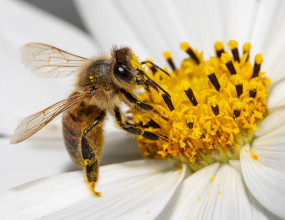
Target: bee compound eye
x=123, y=74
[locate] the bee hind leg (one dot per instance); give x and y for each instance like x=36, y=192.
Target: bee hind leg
x=91, y=161
x=91, y=166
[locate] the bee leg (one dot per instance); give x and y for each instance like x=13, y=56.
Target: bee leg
x=133, y=129
x=91, y=163
x=140, y=105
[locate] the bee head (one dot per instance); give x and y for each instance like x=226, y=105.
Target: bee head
x=126, y=67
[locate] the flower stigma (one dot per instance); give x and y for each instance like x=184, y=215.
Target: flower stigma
x=215, y=106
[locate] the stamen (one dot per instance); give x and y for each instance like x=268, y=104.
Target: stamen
x=215, y=110
x=233, y=46
x=212, y=77
x=191, y=96
x=190, y=125
x=212, y=101
x=253, y=85
x=252, y=93
x=185, y=46
x=237, y=113
x=167, y=56
x=246, y=50
x=256, y=69
x=219, y=47
x=168, y=102
x=237, y=109
x=226, y=58
x=239, y=89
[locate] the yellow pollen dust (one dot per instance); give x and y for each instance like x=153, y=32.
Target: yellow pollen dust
x=217, y=106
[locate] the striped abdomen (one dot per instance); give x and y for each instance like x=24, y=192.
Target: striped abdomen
x=75, y=121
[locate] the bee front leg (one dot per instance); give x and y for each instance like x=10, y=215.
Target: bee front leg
x=135, y=130
x=91, y=160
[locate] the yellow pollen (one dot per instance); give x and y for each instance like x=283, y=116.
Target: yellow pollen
x=232, y=44
x=226, y=57
x=167, y=54
x=212, y=178
x=214, y=115
x=246, y=47
x=237, y=105
x=184, y=46
x=258, y=59
x=135, y=63
x=253, y=155
x=209, y=70
x=148, y=212
x=91, y=77
x=219, y=45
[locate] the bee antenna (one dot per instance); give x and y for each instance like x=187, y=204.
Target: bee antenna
x=154, y=84
x=156, y=66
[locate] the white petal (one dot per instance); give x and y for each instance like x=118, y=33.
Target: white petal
x=265, y=182
x=271, y=122
x=132, y=189
x=215, y=192
x=276, y=97
x=109, y=25
x=31, y=160
x=34, y=25
x=38, y=158
x=238, y=17
x=268, y=35
x=270, y=148
x=23, y=93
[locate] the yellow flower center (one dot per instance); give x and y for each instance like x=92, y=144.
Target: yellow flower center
x=215, y=106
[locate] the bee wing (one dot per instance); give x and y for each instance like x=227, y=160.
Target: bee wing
x=49, y=61
x=33, y=123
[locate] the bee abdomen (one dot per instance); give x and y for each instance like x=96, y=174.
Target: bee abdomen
x=72, y=142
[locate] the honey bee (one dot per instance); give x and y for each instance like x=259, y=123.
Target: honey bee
x=101, y=85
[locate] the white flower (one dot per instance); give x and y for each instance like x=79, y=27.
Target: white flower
x=248, y=188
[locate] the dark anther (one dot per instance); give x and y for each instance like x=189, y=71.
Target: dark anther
x=192, y=54
x=171, y=63
x=256, y=69
x=252, y=93
x=236, y=54
x=239, y=89
x=190, y=125
x=237, y=113
x=191, y=96
x=231, y=68
x=202, y=136
x=215, y=110
x=212, y=77
x=168, y=102
x=220, y=52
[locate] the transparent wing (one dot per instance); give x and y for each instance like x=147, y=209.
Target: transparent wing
x=33, y=123
x=49, y=61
